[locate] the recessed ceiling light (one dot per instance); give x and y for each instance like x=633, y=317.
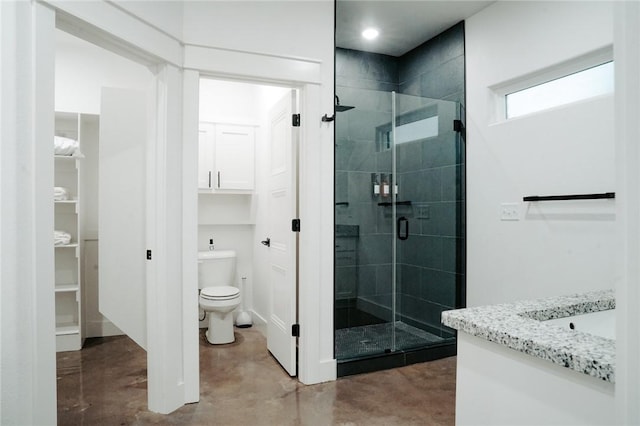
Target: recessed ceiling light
x=370, y=33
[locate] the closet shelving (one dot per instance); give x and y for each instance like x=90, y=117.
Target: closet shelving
x=68, y=286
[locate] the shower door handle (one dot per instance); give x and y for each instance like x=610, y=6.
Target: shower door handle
x=405, y=221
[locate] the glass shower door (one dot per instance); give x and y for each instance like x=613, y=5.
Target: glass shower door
x=428, y=213
x=363, y=234
x=399, y=203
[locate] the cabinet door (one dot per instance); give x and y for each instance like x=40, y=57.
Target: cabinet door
x=205, y=156
x=234, y=157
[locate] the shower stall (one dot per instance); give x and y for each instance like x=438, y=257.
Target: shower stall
x=399, y=234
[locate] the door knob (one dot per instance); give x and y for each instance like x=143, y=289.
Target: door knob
x=267, y=242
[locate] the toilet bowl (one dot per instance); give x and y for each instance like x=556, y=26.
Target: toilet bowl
x=218, y=298
x=219, y=303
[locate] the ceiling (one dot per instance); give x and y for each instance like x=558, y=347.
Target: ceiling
x=403, y=25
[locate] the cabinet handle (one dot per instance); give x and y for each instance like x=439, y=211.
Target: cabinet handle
x=209, y=178
x=218, y=179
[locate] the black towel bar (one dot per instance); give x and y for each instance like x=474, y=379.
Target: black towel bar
x=570, y=197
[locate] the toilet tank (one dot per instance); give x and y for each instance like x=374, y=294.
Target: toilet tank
x=216, y=268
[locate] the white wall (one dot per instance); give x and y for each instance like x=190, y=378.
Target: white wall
x=287, y=28
x=554, y=248
x=82, y=69
x=165, y=15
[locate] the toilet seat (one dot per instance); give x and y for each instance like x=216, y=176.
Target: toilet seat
x=224, y=292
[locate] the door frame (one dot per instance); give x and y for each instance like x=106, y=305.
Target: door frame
x=169, y=387
x=316, y=362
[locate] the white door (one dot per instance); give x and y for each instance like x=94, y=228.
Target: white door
x=282, y=196
x=122, y=180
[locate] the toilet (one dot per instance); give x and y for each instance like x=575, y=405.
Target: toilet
x=218, y=297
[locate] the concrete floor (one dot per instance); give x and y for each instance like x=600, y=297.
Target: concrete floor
x=241, y=384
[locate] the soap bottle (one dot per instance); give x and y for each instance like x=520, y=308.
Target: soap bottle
x=384, y=185
x=394, y=184
x=376, y=184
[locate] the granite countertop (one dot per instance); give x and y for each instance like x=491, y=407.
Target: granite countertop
x=521, y=326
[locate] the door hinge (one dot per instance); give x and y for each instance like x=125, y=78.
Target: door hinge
x=148, y=254
x=295, y=330
x=458, y=126
x=295, y=225
x=295, y=120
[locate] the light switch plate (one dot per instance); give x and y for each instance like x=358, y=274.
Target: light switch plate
x=510, y=211
x=423, y=212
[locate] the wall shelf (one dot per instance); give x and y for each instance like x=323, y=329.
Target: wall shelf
x=67, y=287
x=64, y=288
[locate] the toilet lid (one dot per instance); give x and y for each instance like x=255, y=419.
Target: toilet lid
x=224, y=292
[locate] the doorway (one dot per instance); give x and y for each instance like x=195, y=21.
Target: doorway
x=399, y=204
x=102, y=186
x=247, y=198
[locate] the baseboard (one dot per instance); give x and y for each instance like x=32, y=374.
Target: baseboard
x=257, y=318
x=102, y=328
x=324, y=371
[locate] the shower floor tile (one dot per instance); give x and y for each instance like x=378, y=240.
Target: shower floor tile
x=356, y=342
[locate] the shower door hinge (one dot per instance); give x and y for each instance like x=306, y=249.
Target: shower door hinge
x=295, y=330
x=148, y=254
x=458, y=126
x=295, y=120
x=295, y=225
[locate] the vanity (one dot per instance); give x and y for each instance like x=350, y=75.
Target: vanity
x=544, y=362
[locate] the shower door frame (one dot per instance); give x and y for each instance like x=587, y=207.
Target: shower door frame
x=437, y=349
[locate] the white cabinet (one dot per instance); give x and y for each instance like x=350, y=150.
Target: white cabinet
x=226, y=158
x=67, y=244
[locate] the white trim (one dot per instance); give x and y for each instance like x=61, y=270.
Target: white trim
x=112, y=22
x=316, y=361
x=252, y=65
x=165, y=360
x=191, y=85
x=28, y=369
x=627, y=134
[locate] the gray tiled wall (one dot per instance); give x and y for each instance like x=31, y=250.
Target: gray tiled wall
x=430, y=173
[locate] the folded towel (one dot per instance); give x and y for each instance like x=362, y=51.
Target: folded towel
x=65, y=146
x=60, y=193
x=61, y=238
